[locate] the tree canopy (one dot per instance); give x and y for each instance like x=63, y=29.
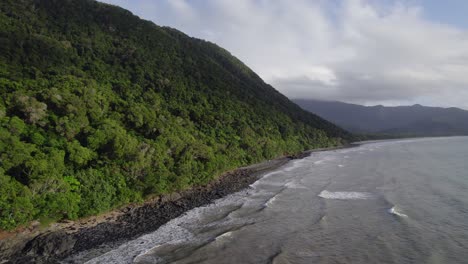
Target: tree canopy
x=99, y=108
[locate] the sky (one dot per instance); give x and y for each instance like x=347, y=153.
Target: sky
x=389, y=52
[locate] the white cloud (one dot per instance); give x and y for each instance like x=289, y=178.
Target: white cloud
x=351, y=50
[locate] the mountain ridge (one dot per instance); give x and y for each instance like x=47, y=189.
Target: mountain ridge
x=414, y=120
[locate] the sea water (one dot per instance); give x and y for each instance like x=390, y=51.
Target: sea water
x=403, y=201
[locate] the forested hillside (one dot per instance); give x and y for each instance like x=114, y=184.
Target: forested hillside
x=99, y=108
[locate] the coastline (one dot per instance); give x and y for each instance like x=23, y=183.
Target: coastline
x=66, y=238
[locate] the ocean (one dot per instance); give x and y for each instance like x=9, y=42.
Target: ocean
x=397, y=201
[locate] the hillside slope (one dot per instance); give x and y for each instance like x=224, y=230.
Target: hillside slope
x=99, y=108
x=413, y=120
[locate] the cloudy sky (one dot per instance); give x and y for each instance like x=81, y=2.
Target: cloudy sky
x=386, y=52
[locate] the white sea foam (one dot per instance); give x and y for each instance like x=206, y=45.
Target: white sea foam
x=294, y=165
x=394, y=210
x=340, y=165
x=255, y=184
x=270, y=201
x=172, y=232
x=267, y=183
x=224, y=235
x=345, y=195
x=148, y=258
x=295, y=185
x=270, y=174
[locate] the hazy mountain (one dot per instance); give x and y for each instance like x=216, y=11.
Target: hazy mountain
x=413, y=120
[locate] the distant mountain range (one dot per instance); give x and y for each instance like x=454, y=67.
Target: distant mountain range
x=415, y=120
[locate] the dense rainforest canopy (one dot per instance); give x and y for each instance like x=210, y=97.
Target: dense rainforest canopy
x=99, y=108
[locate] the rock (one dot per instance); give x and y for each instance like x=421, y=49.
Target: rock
x=47, y=246
x=9, y=247
x=299, y=155
x=174, y=196
x=133, y=222
x=165, y=198
x=155, y=199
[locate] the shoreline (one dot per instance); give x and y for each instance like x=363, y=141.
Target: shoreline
x=67, y=238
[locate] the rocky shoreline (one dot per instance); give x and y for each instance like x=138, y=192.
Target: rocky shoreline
x=127, y=223
x=68, y=238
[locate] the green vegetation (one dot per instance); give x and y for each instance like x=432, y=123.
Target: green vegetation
x=99, y=108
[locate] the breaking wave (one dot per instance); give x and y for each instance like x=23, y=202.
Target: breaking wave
x=394, y=210
x=345, y=195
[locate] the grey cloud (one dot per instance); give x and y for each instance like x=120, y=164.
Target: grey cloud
x=351, y=50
